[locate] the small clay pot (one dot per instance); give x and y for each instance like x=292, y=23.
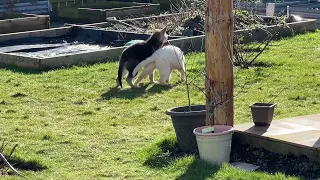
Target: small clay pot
x=262, y=113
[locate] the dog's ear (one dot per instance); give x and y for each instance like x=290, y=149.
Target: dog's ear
x=164, y=30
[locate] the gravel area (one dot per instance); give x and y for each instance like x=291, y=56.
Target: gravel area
x=269, y=162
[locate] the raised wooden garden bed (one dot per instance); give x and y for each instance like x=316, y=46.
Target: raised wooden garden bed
x=129, y=25
x=311, y=11
x=98, y=11
x=25, y=6
x=18, y=22
x=109, y=43
x=63, y=47
x=196, y=43
x=260, y=8
x=181, y=24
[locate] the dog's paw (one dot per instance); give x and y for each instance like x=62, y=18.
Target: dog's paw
x=134, y=86
x=117, y=86
x=138, y=85
x=141, y=84
x=164, y=84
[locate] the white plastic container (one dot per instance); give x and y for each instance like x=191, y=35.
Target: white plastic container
x=214, y=148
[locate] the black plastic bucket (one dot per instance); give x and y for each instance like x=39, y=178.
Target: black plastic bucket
x=184, y=122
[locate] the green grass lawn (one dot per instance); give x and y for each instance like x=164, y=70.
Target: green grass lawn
x=71, y=123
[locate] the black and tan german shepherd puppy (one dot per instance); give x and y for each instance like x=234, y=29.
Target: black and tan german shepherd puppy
x=138, y=52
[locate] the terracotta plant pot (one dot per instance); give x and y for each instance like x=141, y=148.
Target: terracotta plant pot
x=262, y=113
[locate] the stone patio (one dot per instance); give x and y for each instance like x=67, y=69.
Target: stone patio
x=297, y=135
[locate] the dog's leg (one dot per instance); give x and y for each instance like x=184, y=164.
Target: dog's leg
x=142, y=76
x=117, y=83
x=164, y=76
x=129, y=81
x=182, y=75
x=151, y=79
x=147, y=70
x=131, y=64
x=151, y=74
x=124, y=73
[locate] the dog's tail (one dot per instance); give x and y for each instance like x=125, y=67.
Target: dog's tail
x=120, y=71
x=141, y=64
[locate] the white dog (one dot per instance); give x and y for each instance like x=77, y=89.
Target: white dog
x=165, y=60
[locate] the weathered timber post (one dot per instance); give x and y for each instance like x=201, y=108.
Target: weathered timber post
x=219, y=67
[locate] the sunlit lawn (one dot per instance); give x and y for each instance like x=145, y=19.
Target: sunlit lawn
x=72, y=124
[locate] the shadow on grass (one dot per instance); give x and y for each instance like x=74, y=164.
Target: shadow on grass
x=199, y=169
x=21, y=70
x=166, y=152
x=162, y=153
x=28, y=165
x=263, y=64
x=257, y=64
x=132, y=93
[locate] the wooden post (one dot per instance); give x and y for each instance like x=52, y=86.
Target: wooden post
x=219, y=67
